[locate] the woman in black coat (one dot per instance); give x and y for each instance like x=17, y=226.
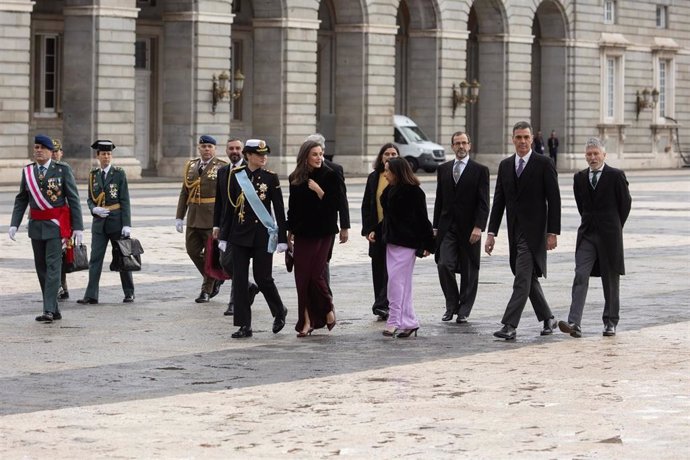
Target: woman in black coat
x=315, y=194
x=372, y=218
x=407, y=234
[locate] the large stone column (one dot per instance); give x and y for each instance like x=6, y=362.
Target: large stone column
x=196, y=45
x=15, y=45
x=98, y=86
x=380, y=90
x=350, y=97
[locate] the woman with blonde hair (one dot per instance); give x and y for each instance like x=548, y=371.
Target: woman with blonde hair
x=315, y=193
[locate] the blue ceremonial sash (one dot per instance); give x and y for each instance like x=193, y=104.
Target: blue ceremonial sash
x=259, y=209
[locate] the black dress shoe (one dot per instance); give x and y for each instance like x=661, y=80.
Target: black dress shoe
x=549, y=326
x=230, y=311
x=203, y=297
x=128, y=299
x=609, y=330
x=506, y=332
x=46, y=317
x=279, y=322
x=461, y=319
x=63, y=295
x=57, y=316
x=242, y=332
x=381, y=312
x=252, y=292
x=87, y=300
x=447, y=316
x=216, y=288
x=570, y=328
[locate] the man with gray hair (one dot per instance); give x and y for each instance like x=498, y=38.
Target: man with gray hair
x=344, y=207
x=603, y=201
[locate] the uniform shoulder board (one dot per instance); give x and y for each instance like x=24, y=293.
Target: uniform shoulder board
x=239, y=168
x=118, y=168
x=269, y=171
x=221, y=161
x=93, y=170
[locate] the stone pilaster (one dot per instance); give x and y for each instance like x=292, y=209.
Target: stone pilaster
x=15, y=45
x=99, y=82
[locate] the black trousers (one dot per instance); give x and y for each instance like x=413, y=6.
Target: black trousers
x=379, y=275
x=262, y=268
x=525, y=286
x=453, y=257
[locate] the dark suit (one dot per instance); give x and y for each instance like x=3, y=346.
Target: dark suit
x=220, y=208
x=112, y=194
x=59, y=188
x=377, y=250
x=458, y=209
x=243, y=230
x=599, y=248
x=533, y=207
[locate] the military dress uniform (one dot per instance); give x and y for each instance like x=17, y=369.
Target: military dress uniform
x=248, y=238
x=197, y=200
x=57, y=187
x=109, y=191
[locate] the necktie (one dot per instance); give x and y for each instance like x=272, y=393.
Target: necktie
x=201, y=167
x=41, y=172
x=521, y=166
x=594, y=178
x=103, y=175
x=456, y=171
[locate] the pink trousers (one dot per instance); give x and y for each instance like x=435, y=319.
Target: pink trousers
x=400, y=263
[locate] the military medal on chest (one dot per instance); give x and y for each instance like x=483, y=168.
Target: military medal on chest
x=263, y=188
x=212, y=172
x=53, y=188
x=113, y=191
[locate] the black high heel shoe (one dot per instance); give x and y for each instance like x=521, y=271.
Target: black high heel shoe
x=406, y=333
x=330, y=326
x=389, y=333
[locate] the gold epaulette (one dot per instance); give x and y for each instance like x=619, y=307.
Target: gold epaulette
x=239, y=168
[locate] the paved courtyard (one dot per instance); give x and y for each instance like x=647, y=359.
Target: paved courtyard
x=161, y=378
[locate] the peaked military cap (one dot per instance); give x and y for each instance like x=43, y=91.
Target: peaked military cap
x=103, y=146
x=256, y=146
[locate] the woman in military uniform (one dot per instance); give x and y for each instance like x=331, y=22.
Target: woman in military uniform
x=252, y=192
x=108, y=200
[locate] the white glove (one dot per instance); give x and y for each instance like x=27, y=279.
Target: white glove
x=178, y=225
x=282, y=247
x=222, y=245
x=78, y=236
x=126, y=231
x=100, y=212
x=12, y=233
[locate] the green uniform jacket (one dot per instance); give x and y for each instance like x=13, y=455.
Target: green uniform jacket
x=59, y=189
x=115, y=192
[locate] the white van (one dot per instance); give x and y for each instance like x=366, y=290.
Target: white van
x=415, y=146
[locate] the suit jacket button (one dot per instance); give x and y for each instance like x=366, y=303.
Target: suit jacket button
x=256, y=221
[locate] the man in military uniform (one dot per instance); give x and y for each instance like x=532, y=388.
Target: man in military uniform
x=108, y=200
x=252, y=192
x=233, y=149
x=197, y=199
x=49, y=190
x=63, y=292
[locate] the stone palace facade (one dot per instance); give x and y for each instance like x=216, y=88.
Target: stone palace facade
x=141, y=73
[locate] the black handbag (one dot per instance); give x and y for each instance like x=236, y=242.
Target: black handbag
x=126, y=255
x=80, y=259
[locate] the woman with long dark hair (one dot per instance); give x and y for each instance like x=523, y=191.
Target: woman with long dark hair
x=372, y=219
x=315, y=191
x=407, y=234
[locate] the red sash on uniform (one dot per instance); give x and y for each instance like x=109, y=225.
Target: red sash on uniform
x=61, y=215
